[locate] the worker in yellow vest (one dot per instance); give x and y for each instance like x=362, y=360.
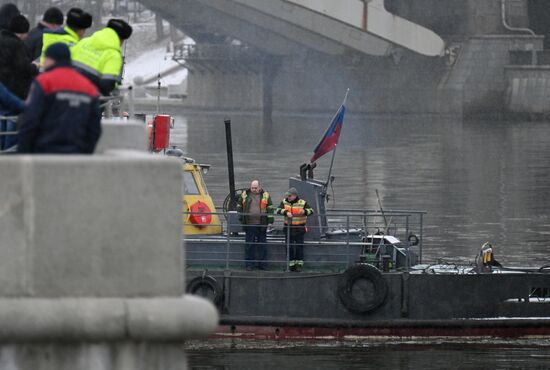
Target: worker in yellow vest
x=99, y=57
x=78, y=21
x=296, y=211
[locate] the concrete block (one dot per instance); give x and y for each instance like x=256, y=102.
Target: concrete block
x=106, y=319
x=67, y=319
x=100, y=226
x=121, y=134
x=93, y=356
x=167, y=319
x=15, y=215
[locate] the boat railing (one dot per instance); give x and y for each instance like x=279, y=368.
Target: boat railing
x=353, y=235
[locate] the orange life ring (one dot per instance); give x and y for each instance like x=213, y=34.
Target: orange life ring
x=199, y=214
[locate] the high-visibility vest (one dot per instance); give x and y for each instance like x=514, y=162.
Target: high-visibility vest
x=100, y=55
x=264, y=204
x=295, y=208
x=63, y=35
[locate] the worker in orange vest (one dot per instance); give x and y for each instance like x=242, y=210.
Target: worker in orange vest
x=296, y=211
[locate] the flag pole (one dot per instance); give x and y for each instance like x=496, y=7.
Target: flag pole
x=335, y=146
x=330, y=168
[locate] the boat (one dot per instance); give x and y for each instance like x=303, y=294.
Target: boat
x=363, y=279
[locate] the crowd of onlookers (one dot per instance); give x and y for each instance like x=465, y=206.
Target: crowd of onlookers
x=52, y=77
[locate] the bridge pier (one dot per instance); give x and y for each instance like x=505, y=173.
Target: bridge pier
x=316, y=83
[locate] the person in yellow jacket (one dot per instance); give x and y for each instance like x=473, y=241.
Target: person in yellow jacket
x=296, y=211
x=99, y=57
x=78, y=21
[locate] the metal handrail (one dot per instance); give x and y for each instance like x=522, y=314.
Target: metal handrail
x=278, y=240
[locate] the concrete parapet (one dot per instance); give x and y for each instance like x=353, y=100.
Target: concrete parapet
x=117, y=134
x=93, y=356
x=101, y=226
x=109, y=319
x=91, y=261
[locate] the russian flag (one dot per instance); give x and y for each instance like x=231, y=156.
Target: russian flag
x=330, y=138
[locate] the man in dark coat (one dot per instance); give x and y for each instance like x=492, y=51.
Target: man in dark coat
x=62, y=112
x=51, y=20
x=7, y=12
x=16, y=69
x=255, y=213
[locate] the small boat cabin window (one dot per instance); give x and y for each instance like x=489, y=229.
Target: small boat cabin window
x=190, y=185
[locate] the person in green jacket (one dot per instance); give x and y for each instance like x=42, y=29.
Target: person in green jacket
x=78, y=21
x=99, y=57
x=255, y=213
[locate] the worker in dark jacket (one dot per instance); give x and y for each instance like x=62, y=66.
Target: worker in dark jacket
x=51, y=20
x=62, y=112
x=7, y=12
x=296, y=211
x=255, y=213
x=16, y=69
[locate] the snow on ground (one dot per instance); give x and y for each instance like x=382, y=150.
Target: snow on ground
x=149, y=64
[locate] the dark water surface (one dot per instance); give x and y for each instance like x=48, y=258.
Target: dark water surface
x=478, y=181
x=403, y=356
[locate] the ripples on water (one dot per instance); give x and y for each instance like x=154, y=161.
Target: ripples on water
x=402, y=356
x=478, y=181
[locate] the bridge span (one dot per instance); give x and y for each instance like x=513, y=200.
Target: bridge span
x=302, y=55
x=284, y=27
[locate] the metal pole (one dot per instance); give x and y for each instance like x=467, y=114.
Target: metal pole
x=330, y=169
x=287, y=269
x=230, y=167
x=228, y=243
x=407, y=243
x=158, y=94
x=421, y=237
x=347, y=241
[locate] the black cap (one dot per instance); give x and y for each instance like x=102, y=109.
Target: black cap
x=59, y=52
x=19, y=24
x=53, y=15
x=78, y=19
x=122, y=29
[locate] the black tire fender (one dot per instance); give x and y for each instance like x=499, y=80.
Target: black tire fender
x=207, y=283
x=350, y=277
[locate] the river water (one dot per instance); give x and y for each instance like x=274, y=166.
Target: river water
x=478, y=181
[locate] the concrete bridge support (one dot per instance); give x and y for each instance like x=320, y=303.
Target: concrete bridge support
x=313, y=83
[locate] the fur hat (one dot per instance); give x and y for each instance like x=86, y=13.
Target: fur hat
x=78, y=19
x=53, y=15
x=122, y=29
